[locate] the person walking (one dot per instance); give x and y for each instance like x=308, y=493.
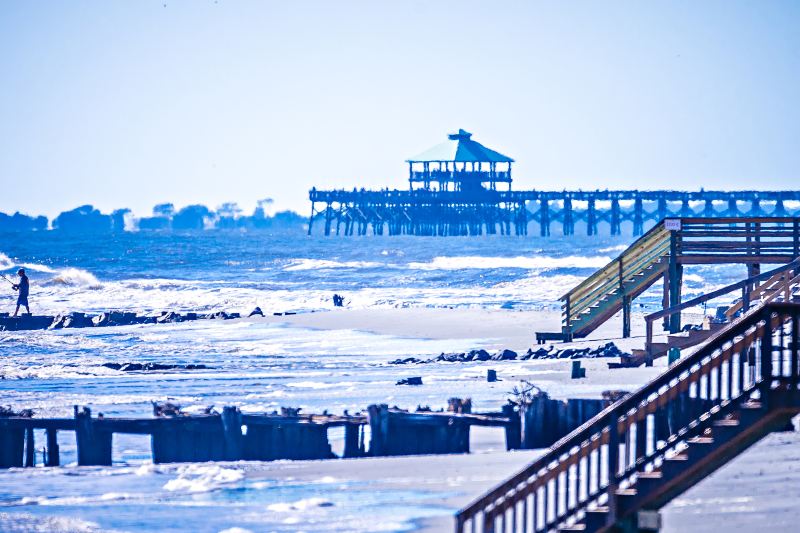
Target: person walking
x=24, y=288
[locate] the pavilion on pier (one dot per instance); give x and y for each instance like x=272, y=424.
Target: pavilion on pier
x=459, y=164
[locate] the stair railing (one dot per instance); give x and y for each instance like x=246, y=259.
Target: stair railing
x=648, y=249
x=747, y=295
x=586, y=469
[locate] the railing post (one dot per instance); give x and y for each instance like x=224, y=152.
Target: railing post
x=567, y=328
x=613, y=470
x=766, y=358
x=794, y=352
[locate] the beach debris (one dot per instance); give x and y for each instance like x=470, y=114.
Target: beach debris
x=256, y=312
x=6, y=411
x=578, y=372
x=612, y=396
x=606, y=350
x=525, y=393
x=491, y=375
x=458, y=405
x=416, y=380
x=167, y=409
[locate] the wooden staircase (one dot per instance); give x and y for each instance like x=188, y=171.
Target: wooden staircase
x=662, y=252
x=656, y=443
x=613, y=287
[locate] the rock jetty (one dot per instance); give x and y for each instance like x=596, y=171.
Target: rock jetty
x=606, y=350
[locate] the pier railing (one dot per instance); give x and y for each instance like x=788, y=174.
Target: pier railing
x=476, y=210
x=719, y=400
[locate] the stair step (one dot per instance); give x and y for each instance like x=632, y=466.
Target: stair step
x=625, y=499
x=596, y=518
x=751, y=406
x=699, y=447
x=645, y=481
x=573, y=527
x=674, y=464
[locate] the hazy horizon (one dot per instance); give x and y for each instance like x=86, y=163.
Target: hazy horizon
x=134, y=104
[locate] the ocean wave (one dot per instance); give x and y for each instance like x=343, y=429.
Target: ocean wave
x=6, y=263
x=609, y=249
x=75, y=277
x=325, y=264
x=542, y=262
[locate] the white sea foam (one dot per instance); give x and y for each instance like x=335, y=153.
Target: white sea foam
x=196, y=478
x=300, y=505
x=27, y=523
x=75, y=277
x=321, y=264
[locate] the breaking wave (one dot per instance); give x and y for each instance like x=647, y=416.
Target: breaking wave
x=75, y=277
x=541, y=262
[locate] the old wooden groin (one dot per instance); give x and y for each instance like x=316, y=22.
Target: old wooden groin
x=232, y=435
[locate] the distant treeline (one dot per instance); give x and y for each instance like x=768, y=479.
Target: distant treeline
x=165, y=218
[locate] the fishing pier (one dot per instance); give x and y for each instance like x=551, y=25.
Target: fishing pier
x=461, y=188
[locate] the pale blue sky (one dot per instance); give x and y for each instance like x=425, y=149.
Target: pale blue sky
x=127, y=104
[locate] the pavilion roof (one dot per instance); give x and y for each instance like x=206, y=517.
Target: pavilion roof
x=461, y=148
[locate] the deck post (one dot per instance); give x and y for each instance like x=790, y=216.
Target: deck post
x=626, y=316
x=675, y=274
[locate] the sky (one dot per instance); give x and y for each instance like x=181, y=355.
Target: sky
x=130, y=104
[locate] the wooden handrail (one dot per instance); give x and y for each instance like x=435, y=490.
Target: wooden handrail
x=670, y=311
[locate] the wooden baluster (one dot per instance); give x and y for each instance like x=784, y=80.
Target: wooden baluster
x=795, y=348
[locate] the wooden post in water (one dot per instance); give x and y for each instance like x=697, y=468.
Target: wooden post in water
x=12, y=444
x=94, y=446
x=52, y=448
x=30, y=448
x=232, y=427
x=351, y=440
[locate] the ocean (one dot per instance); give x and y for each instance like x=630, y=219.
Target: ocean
x=255, y=365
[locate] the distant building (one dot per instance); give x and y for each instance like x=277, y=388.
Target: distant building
x=459, y=164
